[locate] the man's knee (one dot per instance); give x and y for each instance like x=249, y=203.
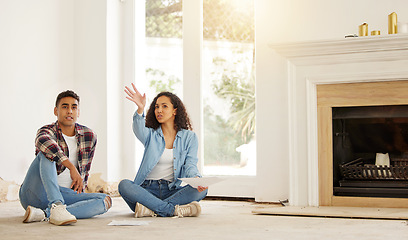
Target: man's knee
x=108, y=202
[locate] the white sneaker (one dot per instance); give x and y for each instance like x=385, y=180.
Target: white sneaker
x=189, y=210
x=60, y=216
x=33, y=214
x=142, y=211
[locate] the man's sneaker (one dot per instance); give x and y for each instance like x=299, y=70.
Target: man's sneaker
x=142, y=211
x=33, y=214
x=60, y=216
x=189, y=210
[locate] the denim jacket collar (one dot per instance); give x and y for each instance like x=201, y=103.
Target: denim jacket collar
x=160, y=132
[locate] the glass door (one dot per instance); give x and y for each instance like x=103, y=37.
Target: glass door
x=228, y=83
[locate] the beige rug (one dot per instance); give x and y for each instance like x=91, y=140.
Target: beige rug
x=336, y=212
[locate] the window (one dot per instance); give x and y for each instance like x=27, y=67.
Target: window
x=228, y=76
x=164, y=47
x=229, y=87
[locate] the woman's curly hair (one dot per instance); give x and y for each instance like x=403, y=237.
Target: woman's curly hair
x=181, y=120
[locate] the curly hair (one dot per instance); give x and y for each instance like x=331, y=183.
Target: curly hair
x=181, y=120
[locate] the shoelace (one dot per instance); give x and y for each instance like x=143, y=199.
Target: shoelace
x=182, y=211
x=59, y=207
x=148, y=212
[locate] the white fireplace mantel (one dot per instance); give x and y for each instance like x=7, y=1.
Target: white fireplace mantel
x=298, y=51
x=308, y=64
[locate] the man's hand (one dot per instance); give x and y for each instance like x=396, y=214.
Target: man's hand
x=77, y=183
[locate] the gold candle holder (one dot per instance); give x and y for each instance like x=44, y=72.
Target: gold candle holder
x=392, y=23
x=376, y=32
x=363, y=30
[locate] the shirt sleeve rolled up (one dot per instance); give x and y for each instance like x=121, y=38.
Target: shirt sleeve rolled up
x=46, y=142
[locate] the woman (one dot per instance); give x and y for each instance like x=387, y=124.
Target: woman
x=170, y=153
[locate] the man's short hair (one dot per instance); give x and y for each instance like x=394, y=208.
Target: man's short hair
x=67, y=93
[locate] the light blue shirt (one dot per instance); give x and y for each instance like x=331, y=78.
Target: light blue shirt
x=185, y=149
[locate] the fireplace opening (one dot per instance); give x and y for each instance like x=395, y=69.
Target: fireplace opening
x=370, y=151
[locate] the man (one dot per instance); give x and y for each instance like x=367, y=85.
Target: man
x=53, y=187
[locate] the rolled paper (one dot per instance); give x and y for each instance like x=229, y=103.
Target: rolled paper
x=376, y=32
x=382, y=159
x=392, y=23
x=363, y=30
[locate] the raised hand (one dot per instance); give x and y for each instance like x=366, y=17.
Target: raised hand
x=136, y=97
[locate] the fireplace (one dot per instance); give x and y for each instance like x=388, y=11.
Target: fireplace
x=330, y=74
x=355, y=122
x=370, y=151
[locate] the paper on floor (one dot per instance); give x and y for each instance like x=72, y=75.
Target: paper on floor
x=128, y=223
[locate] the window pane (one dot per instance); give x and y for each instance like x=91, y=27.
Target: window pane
x=164, y=58
x=229, y=87
x=160, y=54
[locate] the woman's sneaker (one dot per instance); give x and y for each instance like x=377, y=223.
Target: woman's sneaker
x=33, y=214
x=142, y=211
x=60, y=216
x=189, y=210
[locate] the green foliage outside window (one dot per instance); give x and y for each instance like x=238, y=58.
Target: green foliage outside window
x=239, y=89
x=220, y=141
x=221, y=22
x=160, y=81
x=222, y=136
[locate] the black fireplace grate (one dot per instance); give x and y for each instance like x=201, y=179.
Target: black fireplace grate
x=365, y=169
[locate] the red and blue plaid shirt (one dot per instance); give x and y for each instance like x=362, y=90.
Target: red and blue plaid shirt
x=51, y=143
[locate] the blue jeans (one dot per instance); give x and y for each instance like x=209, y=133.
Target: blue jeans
x=40, y=189
x=156, y=195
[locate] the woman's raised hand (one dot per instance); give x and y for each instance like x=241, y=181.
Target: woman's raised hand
x=136, y=97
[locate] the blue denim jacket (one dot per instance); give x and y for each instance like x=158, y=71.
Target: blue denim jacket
x=185, y=149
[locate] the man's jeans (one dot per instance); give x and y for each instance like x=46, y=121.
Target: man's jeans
x=40, y=189
x=156, y=195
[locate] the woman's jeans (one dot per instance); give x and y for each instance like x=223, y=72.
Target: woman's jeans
x=40, y=189
x=156, y=195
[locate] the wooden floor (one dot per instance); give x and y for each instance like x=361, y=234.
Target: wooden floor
x=337, y=212
x=226, y=220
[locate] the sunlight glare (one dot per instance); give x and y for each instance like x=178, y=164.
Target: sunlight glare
x=241, y=5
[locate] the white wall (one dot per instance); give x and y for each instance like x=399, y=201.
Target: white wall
x=90, y=71
x=101, y=58
x=36, y=63
x=48, y=46
x=283, y=21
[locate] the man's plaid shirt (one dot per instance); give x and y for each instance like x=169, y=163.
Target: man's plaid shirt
x=51, y=143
